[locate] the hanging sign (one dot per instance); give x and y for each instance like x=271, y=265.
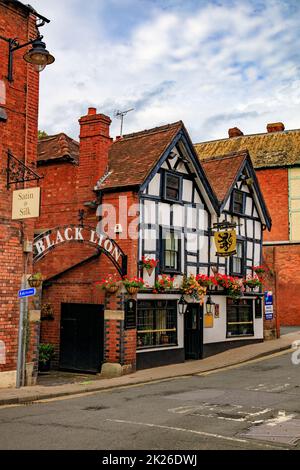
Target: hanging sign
x=225, y=242
x=26, y=204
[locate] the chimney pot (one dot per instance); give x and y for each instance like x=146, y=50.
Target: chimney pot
x=275, y=127
x=235, y=132
x=92, y=111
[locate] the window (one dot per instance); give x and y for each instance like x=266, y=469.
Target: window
x=237, y=261
x=294, y=203
x=171, y=252
x=238, y=202
x=156, y=323
x=172, y=189
x=239, y=317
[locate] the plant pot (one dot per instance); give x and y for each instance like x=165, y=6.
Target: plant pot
x=112, y=289
x=35, y=283
x=132, y=290
x=150, y=271
x=44, y=366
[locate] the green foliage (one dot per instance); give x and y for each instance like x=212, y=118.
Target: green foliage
x=42, y=134
x=46, y=353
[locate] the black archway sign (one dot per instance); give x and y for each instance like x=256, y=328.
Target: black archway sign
x=47, y=241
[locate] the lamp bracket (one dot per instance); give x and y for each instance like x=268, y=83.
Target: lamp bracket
x=18, y=172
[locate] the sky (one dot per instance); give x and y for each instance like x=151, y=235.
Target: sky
x=214, y=64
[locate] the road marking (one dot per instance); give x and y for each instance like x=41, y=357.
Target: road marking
x=190, y=431
x=242, y=364
x=195, y=410
x=281, y=418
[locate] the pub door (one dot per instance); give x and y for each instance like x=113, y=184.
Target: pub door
x=193, y=332
x=82, y=337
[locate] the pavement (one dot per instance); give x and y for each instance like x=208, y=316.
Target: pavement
x=231, y=357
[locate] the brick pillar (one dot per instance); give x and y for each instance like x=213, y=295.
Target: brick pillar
x=271, y=327
x=119, y=344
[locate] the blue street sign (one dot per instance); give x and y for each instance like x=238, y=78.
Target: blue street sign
x=269, y=309
x=26, y=293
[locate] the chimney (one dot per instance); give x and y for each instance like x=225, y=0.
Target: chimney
x=95, y=142
x=275, y=127
x=235, y=132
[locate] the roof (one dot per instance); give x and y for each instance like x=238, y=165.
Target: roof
x=27, y=8
x=276, y=149
x=223, y=171
x=58, y=147
x=132, y=157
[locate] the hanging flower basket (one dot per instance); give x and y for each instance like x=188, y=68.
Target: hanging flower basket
x=133, y=285
x=259, y=270
x=111, y=284
x=192, y=288
x=252, y=282
x=149, y=264
x=35, y=280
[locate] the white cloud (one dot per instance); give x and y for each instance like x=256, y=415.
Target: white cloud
x=217, y=60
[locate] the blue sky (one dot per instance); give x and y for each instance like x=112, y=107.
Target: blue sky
x=214, y=64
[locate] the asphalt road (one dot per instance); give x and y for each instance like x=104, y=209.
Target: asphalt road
x=255, y=406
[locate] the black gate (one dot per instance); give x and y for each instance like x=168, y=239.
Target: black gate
x=193, y=332
x=82, y=337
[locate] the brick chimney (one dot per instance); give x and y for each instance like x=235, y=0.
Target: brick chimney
x=95, y=142
x=235, y=132
x=275, y=127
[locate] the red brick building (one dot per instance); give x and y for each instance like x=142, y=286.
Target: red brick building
x=276, y=158
x=105, y=205
x=18, y=138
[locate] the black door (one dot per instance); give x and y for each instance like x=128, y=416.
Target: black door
x=193, y=332
x=82, y=337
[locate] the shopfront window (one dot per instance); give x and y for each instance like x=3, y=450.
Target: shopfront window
x=240, y=317
x=156, y=323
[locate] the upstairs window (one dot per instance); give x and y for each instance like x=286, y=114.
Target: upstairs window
x=294, y=203
x=171, y=251
x=237, y=261
x=238, y=202
x=172, y=187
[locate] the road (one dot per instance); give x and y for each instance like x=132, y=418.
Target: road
x=254, y=406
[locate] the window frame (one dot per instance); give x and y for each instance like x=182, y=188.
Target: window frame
x=243, y=258
x=170, y=304
x=251, y=306
x=164, y=268
x=164, y=189
x=234, y=192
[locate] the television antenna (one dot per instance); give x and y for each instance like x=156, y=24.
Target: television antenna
x=120, y=115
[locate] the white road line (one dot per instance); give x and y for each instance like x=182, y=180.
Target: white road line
x=191, y=431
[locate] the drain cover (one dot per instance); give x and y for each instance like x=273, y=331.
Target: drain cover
x=284, y=433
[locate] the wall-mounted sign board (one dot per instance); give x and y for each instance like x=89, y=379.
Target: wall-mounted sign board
x=26, y=204
x=130, y=314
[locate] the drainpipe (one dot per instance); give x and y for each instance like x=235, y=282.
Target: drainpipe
x=276, y=294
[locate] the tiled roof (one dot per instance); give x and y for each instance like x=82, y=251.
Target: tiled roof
x=58, y=147
x=132, y=158
x=222, y=172
x=274, y=149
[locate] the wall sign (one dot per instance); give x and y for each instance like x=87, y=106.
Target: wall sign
x=269, y=308
x=47, y=241
x=26, y=204
x=130, y=314
x=225, y=242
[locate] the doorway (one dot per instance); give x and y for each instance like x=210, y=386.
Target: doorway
x=193, y=332
x=82, y=337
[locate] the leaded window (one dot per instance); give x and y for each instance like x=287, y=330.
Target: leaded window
x=156, y=323
x=240, y=317
x=171, y=250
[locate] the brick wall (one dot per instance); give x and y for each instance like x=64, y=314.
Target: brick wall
x=19, y=134
x=275, y=188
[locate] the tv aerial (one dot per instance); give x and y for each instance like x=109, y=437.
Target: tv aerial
x=120, y=115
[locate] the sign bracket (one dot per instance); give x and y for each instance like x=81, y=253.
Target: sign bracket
x=18, y=172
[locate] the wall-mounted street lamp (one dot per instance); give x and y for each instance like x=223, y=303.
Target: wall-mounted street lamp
x=182, y=305
x=210, y=306
x=38, y=55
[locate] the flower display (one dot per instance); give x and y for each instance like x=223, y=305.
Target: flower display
x=163, y=283
x=206, y=281
x=233, y=285
x=191, y=287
